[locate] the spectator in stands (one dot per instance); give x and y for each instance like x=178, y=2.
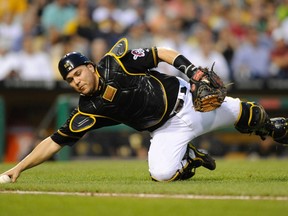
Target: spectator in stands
x=32, y=63
x=279, y=55
x=282, y=10
x=99, y=47
x=251, y=59
x=30, y=25
x=82, y=25
x=15, y=7
x=217, y=17
x=10, y=30
x=189, y=16
x=11, y=16
x=226, y=44
x=6, y=62
x=205, y=53
x=107, y=15
x=55, y=17
x=139, y=35
x=157, y=17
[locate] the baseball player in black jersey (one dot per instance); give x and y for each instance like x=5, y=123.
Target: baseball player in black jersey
x=125, y=88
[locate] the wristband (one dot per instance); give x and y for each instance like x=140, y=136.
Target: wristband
x=182, y=63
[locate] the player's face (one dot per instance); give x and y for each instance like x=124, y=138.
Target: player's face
x=83, y=79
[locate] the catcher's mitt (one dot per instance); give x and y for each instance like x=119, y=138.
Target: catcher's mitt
x=207, y=88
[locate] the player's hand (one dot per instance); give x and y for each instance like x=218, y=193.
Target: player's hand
x=13, y=173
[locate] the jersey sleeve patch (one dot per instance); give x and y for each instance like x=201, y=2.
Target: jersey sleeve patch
x=81, y=122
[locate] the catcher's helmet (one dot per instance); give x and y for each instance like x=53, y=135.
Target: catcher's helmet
x=71, y=61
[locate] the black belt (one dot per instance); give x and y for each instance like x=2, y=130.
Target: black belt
x=179, y=103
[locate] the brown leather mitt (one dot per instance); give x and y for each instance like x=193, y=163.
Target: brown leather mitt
x=207, y=88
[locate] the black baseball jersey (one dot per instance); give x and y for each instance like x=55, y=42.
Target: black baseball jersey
x=131, y=92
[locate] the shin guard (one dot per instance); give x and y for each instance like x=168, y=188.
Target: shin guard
x=253, y=119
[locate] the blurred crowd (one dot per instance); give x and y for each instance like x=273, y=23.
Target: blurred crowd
x=247, y=39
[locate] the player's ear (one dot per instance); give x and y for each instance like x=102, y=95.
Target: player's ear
x=91, y=68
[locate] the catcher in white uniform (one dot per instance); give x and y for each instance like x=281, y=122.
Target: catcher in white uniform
x=125, y=88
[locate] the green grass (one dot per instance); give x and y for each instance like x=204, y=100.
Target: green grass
x=267, y=178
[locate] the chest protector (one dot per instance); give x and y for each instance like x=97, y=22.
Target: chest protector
x=135, y=99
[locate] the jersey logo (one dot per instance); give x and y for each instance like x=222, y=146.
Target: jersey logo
x=68, y=66
x=138, y=53
x=109, y=93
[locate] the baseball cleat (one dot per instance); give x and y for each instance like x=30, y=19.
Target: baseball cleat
x=195, y=154
x=196, y=162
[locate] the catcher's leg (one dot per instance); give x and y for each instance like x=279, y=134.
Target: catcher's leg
x=253, y=119
x=188, y=171
x=195, y=158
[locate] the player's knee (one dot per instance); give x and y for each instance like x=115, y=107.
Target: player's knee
x=169, y=175
x=164, y=175
x=252, y=118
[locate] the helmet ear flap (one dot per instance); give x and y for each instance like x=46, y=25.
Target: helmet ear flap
x=70, y=61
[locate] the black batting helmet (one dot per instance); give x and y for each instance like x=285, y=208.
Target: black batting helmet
x=71, y=61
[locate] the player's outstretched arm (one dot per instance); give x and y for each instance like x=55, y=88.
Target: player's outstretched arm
x=42, y=152
x=167, y=55
x=180, y=62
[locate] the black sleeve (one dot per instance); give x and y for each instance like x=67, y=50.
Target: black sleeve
x=140, y=60
x=65, y=135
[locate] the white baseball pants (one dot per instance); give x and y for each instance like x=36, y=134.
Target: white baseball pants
x=169, y=142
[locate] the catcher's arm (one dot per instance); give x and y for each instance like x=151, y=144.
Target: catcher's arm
x=174, y=58
x=207, y=88
x=42, y=152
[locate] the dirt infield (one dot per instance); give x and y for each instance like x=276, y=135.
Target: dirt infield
x=179, y=196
